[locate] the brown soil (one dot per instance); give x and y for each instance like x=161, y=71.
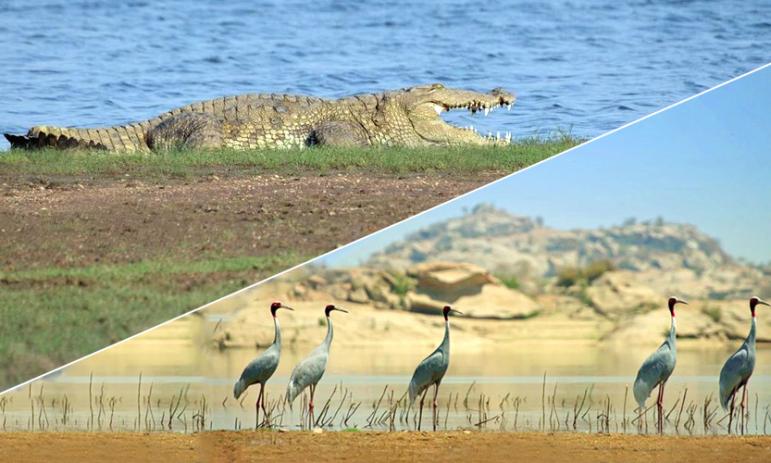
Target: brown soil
x=74, y=222
x=66, y=222
x=371, y=446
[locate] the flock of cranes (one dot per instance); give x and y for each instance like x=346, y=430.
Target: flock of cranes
x=654, y=372
x=735, y=374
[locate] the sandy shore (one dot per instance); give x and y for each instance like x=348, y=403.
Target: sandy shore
x=373, y=446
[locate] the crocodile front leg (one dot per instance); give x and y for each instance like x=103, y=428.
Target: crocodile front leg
x=340, y=133
x=187, y=131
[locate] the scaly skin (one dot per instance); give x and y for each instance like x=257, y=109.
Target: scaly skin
x=408, y=117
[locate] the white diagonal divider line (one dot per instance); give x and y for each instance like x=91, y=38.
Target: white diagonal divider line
x=383, y=230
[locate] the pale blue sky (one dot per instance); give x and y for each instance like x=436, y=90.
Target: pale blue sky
x=706, y=162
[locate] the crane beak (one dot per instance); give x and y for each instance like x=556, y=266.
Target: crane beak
x=286, y=307
x=762, y=302
x=456, y=312
x=680, y=301
x=341, y=310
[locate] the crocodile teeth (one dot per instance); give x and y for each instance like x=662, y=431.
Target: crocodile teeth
x=438, y=108
x=487, y=110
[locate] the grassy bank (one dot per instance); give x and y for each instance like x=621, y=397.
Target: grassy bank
x=53, y=315
x=465, y=160
x=87, y=266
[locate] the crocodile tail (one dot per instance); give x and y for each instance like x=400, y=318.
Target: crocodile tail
x=119, y=138
x=19, y=142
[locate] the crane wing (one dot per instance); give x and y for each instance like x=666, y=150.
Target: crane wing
x=429, y=371
x=655, y=369
x=308, y=371
x=261, y=368
x=735, y=371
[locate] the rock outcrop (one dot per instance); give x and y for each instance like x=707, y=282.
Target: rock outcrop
x=660, y=254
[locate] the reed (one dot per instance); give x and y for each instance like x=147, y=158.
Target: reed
x=173, y=410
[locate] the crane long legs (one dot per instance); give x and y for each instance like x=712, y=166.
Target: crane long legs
x=436, y=392
x=434, y=414
x=744, y=404
x=311, y=416
x=742, y=407
x=660, y=408
x=731, y=410
x=420, y=414
x=257, y=408
x=266, y=418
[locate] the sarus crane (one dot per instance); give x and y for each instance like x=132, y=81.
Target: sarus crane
x=657, y=368
x=738, y=368
x=432, y=369
x=309, y=371
x=259, y=370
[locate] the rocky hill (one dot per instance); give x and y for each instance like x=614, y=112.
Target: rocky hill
x=498, y=266
x=669, y=256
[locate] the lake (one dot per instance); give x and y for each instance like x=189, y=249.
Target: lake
x=507, y=379
x=582, y=67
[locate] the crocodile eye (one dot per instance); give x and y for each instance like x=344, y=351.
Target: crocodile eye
x=437, y=87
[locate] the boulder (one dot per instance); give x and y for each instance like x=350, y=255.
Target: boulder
x=650, y=329
x=423, y=303
x=617, y=293
x=493, y=301
x=358, y=295
x=316, y=281
x=497, y=302
x=339, y=293
x=449, y=281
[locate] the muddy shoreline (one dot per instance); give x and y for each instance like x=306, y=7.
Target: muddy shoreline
x=99, y=258
x=77, y=222
x=464, y=446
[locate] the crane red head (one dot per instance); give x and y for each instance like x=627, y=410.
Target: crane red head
x=277, y=305
x=754, y=302
x=672, y=302
x=447, y=310
x=331, y=307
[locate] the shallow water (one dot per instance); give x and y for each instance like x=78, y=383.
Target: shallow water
x=510, y=381
x=586, y=67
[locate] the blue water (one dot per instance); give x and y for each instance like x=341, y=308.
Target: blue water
x=585, y=67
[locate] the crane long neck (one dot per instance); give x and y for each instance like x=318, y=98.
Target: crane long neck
x=753, y=329
x=673, y=330
x=330, y=333
x=446, y=341
x=277, y=337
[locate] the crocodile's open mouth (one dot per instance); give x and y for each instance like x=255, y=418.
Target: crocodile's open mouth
x=482, y=107
x=427, y=120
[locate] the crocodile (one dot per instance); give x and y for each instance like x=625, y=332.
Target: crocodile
x=407, y=117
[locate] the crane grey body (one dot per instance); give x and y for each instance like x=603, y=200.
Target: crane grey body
x=309, y=371
x=738, y=368
x=431, y=370
x=259, y=370
x=658, y=367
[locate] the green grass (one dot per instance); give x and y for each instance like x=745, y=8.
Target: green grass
x=509, y=281
x=54, y=315
x=402, y=284
x=461, y=160
x=569, y=276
